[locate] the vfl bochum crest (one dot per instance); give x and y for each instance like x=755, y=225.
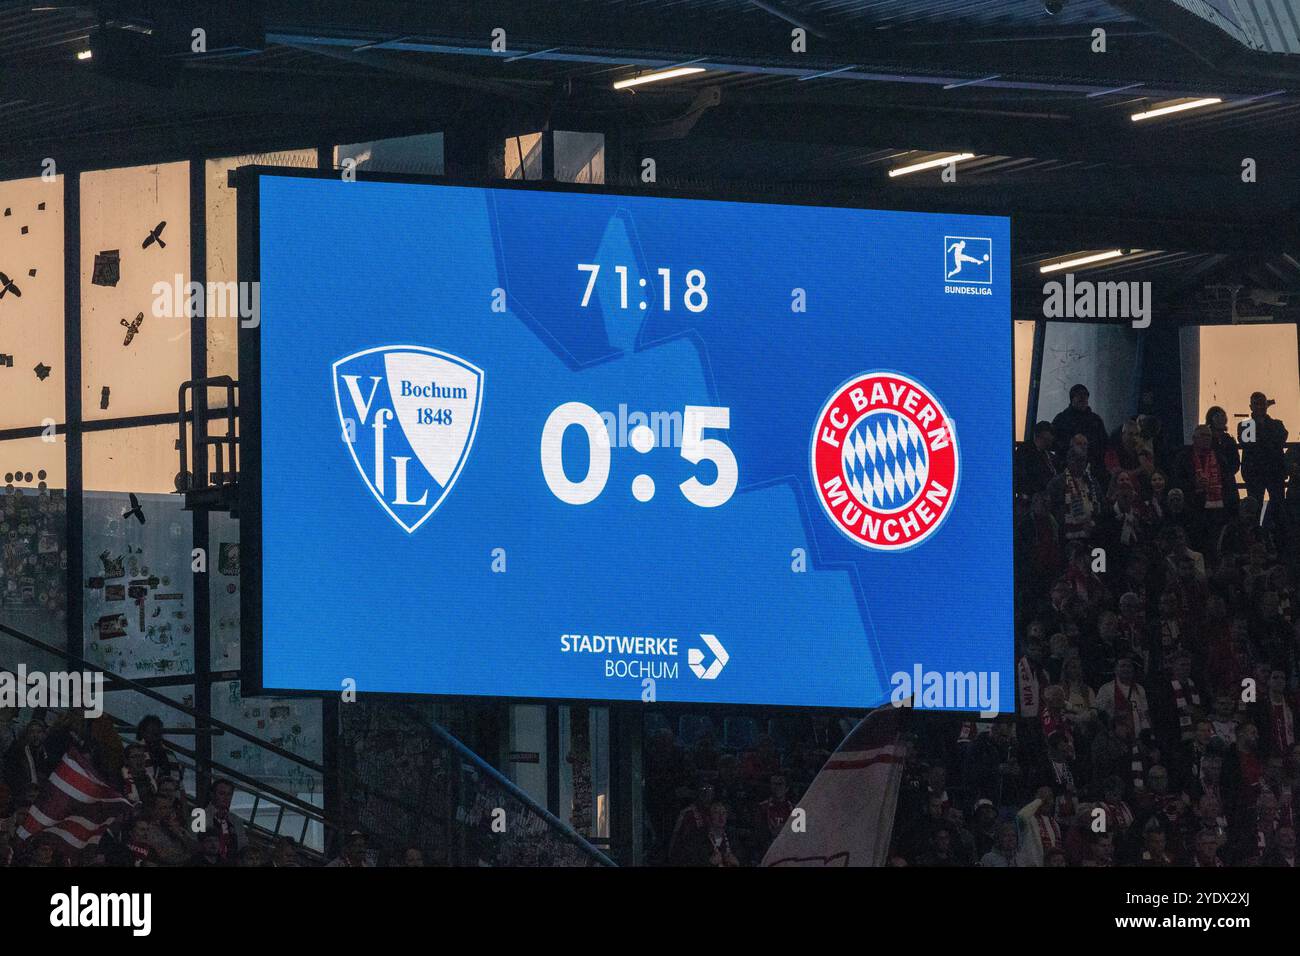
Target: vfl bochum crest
x=409, y=415
x=884, y=461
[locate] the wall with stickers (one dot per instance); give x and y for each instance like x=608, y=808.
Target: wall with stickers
x=33, y=540
x=127, y=538
x=95, y=546
x=134, y=597
x=138, y=605
x=135, y=232
x=33, y=467
x=138, y=601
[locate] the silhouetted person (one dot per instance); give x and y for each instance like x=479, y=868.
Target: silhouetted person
x=1079, y=419
x=1263, y=438
x=1034, y=467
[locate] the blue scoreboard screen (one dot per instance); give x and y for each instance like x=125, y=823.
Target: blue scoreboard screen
x=549, y=444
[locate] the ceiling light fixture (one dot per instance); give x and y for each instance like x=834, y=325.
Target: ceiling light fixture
x=656, y=77
x=930, y=164
x=1085, y=260
x=1175, y=108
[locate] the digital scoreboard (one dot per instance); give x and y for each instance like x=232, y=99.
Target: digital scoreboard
x=568, y=443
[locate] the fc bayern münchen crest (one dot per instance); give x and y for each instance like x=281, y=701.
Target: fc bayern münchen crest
x=884, y=461
x=409, y=414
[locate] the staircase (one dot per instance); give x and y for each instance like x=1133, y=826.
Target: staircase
x=428, y=790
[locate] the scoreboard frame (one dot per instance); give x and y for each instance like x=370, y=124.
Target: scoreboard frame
x=247, y=183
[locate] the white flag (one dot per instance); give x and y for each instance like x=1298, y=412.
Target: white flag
x=848, y=811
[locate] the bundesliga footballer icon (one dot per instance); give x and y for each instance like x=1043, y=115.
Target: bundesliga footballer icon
x=884, y=461
x=959, y=258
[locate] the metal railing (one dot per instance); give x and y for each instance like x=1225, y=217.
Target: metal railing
x=282, y=803
x=121, y=682
x=463, y=811
x=458, y=805
x=215, y=489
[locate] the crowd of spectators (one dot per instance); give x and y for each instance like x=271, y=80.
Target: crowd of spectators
x=1157, y=665
x=1158, y=659
x=1157, y=670
x=162, y=826
x=718, y=792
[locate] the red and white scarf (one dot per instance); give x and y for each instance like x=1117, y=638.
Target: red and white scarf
x=721, y=844
x=1049, y=831
x=1186, y=696
x=226, y=834
x=1127, y=701
x=1137, y=766
x=139, y=853
x=1206, y=464
x=1053, y=722
x=1283, y=726
x=1119, y=814
x=1079, y=506
x=1128, y=529
x=1027, y=677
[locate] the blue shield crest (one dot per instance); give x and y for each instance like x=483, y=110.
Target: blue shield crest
x=408, y=415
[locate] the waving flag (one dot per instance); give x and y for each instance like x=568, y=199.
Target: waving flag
x=75, y=804
x=849, y=809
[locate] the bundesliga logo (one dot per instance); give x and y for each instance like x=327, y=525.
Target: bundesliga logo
x=884, y=461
